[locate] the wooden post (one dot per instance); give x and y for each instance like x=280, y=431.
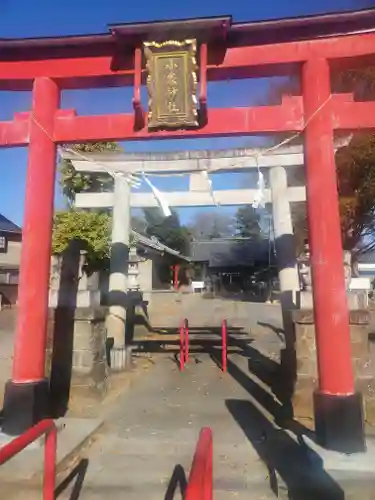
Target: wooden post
x=26, y=395
x=338, y=409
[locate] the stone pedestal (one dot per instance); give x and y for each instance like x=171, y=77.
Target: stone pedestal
x=69, y=284
x=306, y=363
x=77, y=358
x=356, y=300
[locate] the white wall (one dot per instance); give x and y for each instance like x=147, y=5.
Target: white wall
x=12, y=257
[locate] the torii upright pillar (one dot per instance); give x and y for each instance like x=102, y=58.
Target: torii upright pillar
x=338, y=408
x=26, y=395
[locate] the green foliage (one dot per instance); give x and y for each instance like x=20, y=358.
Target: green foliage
x=168, y=230
x=356, y=182
x=73, y=182
x=92, y=228
x=210, y=225
x=248, y=222
x=355, y=165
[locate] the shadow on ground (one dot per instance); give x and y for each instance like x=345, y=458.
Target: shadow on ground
x=77, y=475
x=169, y=341
x=280, y=377
x=292, y=466
x=177, y=482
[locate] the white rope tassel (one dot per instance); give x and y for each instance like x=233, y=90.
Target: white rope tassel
x=162, y=202
x=260, y=198
x=210, y=189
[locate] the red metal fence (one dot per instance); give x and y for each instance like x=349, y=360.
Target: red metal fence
x=184, y=344
x=48, y=428
x=224, y=345
x=200, y=485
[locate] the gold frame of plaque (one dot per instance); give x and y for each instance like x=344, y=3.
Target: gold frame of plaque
x=172, y=84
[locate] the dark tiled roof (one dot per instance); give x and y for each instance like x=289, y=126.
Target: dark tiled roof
x=7, y=226
x=367, y=258
x=236, y=34
x=230, y=252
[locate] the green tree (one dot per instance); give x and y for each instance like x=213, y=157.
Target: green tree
x=356, y=183
x=73, y=182
x=248, y=222
x=209, y=225
x=355, y=164
x=93, y=228
x=168, y=230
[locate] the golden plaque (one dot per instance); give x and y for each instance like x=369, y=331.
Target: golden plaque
x=172, y=84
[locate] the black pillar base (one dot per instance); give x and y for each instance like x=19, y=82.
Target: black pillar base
x=339, y=422
x=24, y=406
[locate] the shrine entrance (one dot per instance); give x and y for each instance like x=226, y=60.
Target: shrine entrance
x=176, y=59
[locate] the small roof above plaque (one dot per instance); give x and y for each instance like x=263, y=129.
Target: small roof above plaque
x=203, y=29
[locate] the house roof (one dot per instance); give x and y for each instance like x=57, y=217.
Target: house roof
x=7, y=226
x=231, y=252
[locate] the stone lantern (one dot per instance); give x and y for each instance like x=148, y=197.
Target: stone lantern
x=133, y=270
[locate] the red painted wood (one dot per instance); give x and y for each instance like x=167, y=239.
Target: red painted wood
x=85, y=72
x=15, y=132
x=330, y=301
x=350, y=115
x=200, y=485
x=92, y=71
x=182, y=346
x=18, y=444
x=186, y=327
x=137, y=104
x=30, y=344
x=346, y=115
x=176, y=269
x=221, y=122
x=224, y=345
x=203, y=74
x=297, y=52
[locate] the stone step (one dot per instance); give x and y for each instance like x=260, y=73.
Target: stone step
x=119, y=492
x=268, y=489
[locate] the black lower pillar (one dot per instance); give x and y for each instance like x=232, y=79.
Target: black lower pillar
x=339, y=422
x=24, y=406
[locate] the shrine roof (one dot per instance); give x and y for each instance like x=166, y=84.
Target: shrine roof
x=231, y=252
x=213, y=29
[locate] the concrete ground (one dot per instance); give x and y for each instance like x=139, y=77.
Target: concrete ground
x=149, y=439
x=146, y=446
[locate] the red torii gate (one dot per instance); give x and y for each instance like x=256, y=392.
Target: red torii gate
x=310, y=45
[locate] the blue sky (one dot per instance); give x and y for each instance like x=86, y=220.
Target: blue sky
x=32, y=18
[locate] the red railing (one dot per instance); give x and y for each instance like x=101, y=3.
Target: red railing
x=186, y=325
x=48, y=428
x=224, y=347
x=184, y=344
x=200, y=485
